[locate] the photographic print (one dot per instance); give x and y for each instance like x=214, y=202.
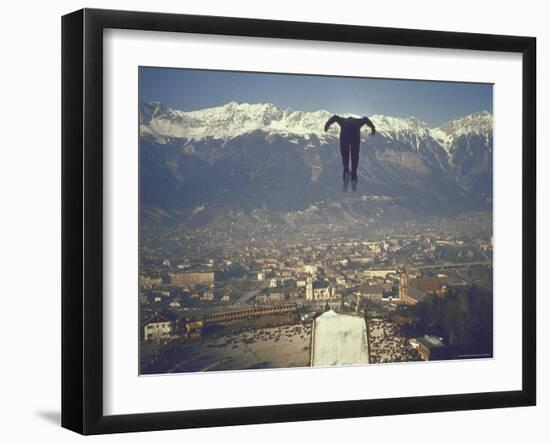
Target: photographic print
x=288, y=221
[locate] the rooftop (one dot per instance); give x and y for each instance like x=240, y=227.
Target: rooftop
x=427, y=284
x=373, y=289
x=320, y=284
x=415, y=293
x=430, y=341
x=157, y=318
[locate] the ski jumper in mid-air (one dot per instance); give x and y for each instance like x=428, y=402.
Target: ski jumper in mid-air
x=350, y=139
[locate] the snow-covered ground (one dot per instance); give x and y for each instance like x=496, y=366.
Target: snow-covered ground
x=339, y=339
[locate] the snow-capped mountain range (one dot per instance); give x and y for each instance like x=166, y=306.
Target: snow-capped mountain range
x=236, y=119
x=282, y=150
x=230, y=120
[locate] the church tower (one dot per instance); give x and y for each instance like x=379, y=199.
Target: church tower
x=309, y=289
x=403, y=285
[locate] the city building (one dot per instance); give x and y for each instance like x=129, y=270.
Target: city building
x=374, y=292
x=261, y=298
x=276, y=297
x=341, y=280
x=149, y=282
x=411, y=295
x=193, y=329
x=380, y=272
x=430, y=347
x=318, y=290
x=183, y=279
x=429, y=285
x=361, y=260
x=413, y=290
x=249, y=312
x=157, y=328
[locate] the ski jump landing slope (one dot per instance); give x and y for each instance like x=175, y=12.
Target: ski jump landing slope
x=339, y=339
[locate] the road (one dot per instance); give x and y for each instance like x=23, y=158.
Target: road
x=455, y=265
x=243, y=299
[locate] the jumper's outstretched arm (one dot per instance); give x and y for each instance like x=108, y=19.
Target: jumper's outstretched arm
x=370, y=125
x=331, y=121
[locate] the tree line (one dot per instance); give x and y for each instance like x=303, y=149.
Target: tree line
x=463, y=318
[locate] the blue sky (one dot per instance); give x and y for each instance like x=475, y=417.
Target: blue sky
x=432, y=102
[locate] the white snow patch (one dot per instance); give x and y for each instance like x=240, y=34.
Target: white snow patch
x=445, y=140
x=198, y=209
x=339, y=339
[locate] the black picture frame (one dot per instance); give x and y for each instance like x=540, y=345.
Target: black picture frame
x=82, y=218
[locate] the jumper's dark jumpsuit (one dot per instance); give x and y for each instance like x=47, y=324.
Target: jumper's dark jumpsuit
x=350, y=139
